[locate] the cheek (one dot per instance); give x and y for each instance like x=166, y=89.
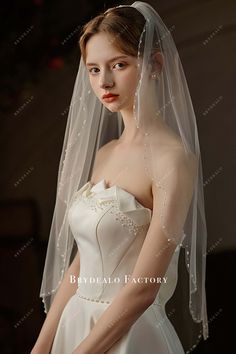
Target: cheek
x=130, y=81
x=126, y=77
x=94, y=85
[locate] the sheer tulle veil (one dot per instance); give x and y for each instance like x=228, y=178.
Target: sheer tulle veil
x=90, y=125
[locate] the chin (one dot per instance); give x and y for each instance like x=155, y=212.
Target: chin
x=113, y=108
x=117, y=107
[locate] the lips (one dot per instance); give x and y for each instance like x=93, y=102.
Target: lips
x=109, y=95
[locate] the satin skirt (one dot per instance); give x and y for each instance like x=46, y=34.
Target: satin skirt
x=152, y=333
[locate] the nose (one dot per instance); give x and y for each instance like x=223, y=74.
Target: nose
x=106, y=80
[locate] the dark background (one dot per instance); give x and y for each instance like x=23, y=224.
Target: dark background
x=39, y=61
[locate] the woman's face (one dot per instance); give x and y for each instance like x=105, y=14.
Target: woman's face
x=111, y=71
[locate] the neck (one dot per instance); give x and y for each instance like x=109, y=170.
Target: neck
x=131, y=133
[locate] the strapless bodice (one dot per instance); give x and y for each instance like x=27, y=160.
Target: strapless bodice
x=109, y=226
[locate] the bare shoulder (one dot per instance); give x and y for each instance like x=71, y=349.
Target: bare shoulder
x=174, y=161
x=103, y=151
x=180, y=158
x=106, y=148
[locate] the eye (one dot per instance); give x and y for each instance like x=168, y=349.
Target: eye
x=92, y=72
x=120, y=64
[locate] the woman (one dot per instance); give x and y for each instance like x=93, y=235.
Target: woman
x=113, y=251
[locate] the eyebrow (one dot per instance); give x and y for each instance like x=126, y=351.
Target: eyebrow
x=109, y=61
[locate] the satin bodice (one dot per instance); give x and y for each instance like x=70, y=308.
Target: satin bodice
x=109, y=226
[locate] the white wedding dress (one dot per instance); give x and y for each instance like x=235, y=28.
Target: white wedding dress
x=109, y=226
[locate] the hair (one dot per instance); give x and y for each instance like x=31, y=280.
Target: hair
x=124, y=24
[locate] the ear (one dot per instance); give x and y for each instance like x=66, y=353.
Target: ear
x=157, y=62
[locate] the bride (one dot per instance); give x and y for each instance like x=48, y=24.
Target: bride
x=129, y=196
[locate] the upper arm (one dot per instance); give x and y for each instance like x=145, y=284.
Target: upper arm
x=171, y=200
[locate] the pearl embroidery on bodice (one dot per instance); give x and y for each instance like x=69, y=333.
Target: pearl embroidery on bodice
x=117, y=201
